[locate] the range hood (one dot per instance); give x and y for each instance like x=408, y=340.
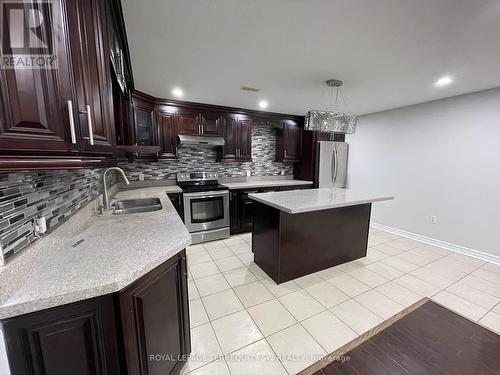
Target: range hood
x=200, y=140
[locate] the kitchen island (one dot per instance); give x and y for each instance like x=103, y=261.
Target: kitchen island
x=299, y=232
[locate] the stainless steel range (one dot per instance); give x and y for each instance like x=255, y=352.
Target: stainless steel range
x=206, y=205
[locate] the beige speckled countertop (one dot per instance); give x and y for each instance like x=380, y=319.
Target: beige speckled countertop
x=263, y=183
x=116, y=250
x=298, y=201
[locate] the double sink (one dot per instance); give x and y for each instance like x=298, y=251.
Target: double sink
x=132, y=206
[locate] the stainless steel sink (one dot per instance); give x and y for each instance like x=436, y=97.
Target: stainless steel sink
x=131, y=206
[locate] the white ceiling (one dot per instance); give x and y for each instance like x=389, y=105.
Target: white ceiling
x=388, y=52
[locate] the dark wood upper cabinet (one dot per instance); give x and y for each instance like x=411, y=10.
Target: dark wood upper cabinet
x=289, y=142
x=211, y=123
x=63, y=117
x=167, y=134
x=144, y=122
x=34, y=115
x=188, y=122
x=90, y=58
x=237, y=133
x=76, y=339
x=155, y=319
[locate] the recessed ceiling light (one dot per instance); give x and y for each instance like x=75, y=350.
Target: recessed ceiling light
x=443, y=81
x=177, y=92
x=263, y=104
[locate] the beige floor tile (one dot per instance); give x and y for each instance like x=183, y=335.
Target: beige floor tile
x=234, y=241
x=375, y=255
x=198, y=258
x=417, y=286
x=446, y=269
x=330, y=273
x=204, y=347
x=214, y=245
x=417, y=259
x=350, y=266
x=326, y=294
x=349, y=285
x=388, y=235
x=430, y=250
x=380, y=304
x=483, y=285
x=236, y=331
x=466, y=259
x=296, y=348
x=239, y=277
x=432, y=277
x=203, y=270
x=376, y=240
x=221, y=304
x=356, y=316
x=491, y=267
x=301, y=305
x=365, y=261
x=329, y=331
x=492, y=277
x=400, y=264
x=368, y=277
x=218, y=367
x=221, y=252
x=257, y=271
x=398, y=293
x=197, y=314
x=450, y=262
x=242, y=248
x=192, y=290
x=282, y=289
x=496, y=309
x=473, y=295
x=404, y=244
x=460, y=305
x=387, y=249
x=309, y=280
x=257, y=358
x=211, y=284
x=384, y=270
x=253, y=293
x=492, y=321
x=246, y=258
x=271, y=317
x=193, y=249
x=229, y=263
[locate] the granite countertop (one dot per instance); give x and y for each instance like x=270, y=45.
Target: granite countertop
x=90, y=255
x=298, y=201
x=261, y=183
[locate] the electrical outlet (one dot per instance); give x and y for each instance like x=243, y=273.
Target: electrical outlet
x=282, y=172
x=141, y=176
x=40, y=224
x=248, y=174
x=434, y=219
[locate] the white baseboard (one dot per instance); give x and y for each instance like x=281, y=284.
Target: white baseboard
x=432, y=241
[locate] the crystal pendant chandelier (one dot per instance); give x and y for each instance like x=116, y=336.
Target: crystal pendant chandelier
x=329, y=121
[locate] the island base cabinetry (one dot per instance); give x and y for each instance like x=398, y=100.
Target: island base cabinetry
x=287, y=246
x=141, y=330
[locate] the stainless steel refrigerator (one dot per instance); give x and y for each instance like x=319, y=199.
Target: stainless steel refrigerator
x=331, y=164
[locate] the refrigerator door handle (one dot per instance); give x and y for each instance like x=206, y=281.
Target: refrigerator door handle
x=332, y=170
x=335, y=153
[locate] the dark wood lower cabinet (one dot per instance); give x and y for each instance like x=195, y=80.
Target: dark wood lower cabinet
x=155, y=320
x=76, y=339
x=143, y=329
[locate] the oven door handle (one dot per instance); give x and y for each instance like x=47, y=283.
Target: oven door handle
x=207, y=194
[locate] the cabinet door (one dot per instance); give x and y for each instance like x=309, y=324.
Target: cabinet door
x=188, y=122
x=230, y=133
x=166, y=124
x=210, y=123
x=90, y=59
x=155, y=319
x=76, y=339
x=144, y=126
x=244, y=140
x=34, y=113
x=235, y=222
x=292, y=142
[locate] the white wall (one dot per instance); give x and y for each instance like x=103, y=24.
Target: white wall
x=440, y=158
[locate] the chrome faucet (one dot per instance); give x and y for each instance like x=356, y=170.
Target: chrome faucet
x=105, y=199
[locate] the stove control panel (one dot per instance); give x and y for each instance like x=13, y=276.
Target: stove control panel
x=197, y=176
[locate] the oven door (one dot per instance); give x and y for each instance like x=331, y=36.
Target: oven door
x=206, y=210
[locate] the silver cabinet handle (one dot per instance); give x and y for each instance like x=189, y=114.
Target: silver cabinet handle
x=71, y=122
x=89, y=123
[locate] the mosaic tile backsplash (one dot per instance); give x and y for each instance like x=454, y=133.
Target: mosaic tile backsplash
x=55, y=194
x=194, y=158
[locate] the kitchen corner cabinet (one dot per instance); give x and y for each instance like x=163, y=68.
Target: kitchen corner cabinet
x=61, y=118
x=289, y=143
x=113, y=334
x=237, y=133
